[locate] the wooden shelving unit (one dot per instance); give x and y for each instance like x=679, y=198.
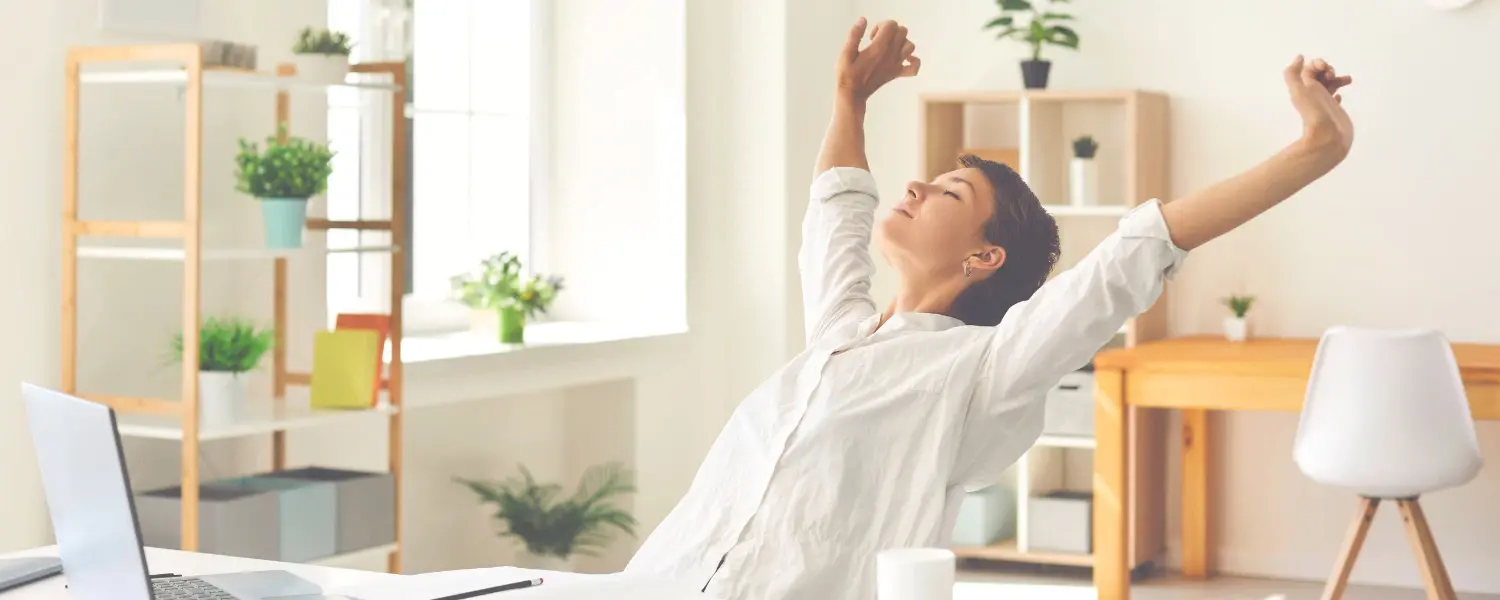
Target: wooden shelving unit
x=182, y=241
x=1037, y=127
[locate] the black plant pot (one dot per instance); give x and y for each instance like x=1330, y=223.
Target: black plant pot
x=1034, y=73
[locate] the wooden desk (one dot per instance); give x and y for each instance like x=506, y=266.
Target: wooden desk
x=1196, y=375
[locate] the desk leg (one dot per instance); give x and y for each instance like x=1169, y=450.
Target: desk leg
x=1195, y=493
x=1111, y=491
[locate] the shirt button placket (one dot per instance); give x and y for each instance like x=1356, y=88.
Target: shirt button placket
x=806, y=384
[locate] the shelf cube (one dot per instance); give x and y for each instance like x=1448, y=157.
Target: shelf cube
x=232, y=522
x=365, y=505
x=306, y=512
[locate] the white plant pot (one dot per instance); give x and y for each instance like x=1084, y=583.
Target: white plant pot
x=221, y=396
x=1236, y=329
x=1083, y=182
x=527, y=560
x=321, y=68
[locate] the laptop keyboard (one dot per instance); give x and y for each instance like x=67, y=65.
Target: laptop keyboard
x=187, y=588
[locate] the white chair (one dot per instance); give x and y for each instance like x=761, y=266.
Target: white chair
x=1386, y=416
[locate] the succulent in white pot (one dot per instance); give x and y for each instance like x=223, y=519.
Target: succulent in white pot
x=1236, y=326
x=322, y=55
x=1083, y=173
x=552, y=528
x=228, y=349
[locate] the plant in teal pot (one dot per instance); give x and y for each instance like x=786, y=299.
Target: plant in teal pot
x=499, y=285
x=283, y=177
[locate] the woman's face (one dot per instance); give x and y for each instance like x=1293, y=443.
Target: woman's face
x=938, y=224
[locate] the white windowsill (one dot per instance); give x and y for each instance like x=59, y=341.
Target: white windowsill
x=434, y=347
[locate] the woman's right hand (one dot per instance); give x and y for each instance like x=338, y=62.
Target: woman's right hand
x=1314, y=87
x=888, y=56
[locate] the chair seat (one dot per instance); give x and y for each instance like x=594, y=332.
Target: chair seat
x=1402, y=477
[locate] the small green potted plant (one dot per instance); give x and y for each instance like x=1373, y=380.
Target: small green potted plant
x=499, y=285
x=1236, y=327
x=1034, y=26
x=553, y=528
x=322, y=55
x=228, y=348
x=1083, y=172
x=282, y=178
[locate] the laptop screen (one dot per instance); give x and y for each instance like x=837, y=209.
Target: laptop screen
x=88, y=494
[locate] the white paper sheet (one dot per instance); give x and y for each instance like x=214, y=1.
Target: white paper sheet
x=555, y=586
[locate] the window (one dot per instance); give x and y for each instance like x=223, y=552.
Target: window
x=475, y=140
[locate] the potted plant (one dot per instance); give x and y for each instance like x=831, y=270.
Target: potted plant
x=1236, y=328
x=283, y=177
x=322, y=55
x=498, y=285
x=553, y=529
x=1083, y=172
x=1040, y=28
x=228, y=348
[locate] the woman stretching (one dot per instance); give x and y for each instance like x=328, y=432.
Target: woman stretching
x=868, y=438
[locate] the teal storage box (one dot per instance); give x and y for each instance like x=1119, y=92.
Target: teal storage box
x=985, y=517
x=307, y=513
x=365, y=505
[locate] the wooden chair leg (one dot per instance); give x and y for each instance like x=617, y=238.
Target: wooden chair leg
x=1352, y=543
x=1434, y=574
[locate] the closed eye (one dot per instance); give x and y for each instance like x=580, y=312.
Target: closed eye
x=953, y=195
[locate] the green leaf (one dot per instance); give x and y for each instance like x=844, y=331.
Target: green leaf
x=1052, y=16
x=1007, y=32
x=230, y=344
x=1014, y=5
x=1000, y=21
x=1062, y=36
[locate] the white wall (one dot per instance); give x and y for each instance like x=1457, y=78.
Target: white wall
x=1400, y=235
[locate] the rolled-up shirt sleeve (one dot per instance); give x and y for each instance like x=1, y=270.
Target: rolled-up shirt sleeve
x=834, y=260
x=1057, y=331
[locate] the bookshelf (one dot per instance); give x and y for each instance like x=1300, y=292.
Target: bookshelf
x=183, y=241
x=1032, y=131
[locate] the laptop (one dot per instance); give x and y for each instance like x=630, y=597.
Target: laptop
x=93, y=513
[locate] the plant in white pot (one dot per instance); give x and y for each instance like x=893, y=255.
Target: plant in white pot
x=283, y=177
x=1040, y=28
x=498, y=285
x=1083, y=172
x=322, y=55
x=228, y=349
x=1236, y=327
x=553, y=528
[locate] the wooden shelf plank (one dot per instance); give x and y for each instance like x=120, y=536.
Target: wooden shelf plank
x=225, y=77
x=262, y=416
x=1006, y=551
x=177, y=254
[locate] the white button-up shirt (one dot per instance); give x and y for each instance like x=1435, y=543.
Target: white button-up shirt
x=868, y=439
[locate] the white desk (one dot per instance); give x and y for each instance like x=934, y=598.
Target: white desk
x=192, y=563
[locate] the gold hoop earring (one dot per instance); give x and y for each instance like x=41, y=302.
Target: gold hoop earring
x=967, y=268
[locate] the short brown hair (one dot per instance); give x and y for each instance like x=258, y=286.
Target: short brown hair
x=1029, y=236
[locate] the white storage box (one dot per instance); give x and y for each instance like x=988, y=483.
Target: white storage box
x=1070, y=406
x=985, y=517
x=1061, y=522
